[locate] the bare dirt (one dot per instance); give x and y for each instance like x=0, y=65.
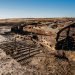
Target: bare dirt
x=42, y=61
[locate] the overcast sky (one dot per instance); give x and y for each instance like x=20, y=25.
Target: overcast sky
x=37, y=8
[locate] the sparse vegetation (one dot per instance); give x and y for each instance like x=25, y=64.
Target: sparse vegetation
x=22, y=55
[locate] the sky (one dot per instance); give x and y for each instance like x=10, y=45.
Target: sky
x=37, y=8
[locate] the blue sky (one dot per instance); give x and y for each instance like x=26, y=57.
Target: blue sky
x=37, y=8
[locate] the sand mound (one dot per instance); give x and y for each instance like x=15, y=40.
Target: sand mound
x=2, y=38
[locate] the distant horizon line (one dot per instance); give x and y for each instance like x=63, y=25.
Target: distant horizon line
x=34, y=17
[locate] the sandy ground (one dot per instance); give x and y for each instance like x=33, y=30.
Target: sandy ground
x=2, y=38
x=8, y=66
x=39, y=65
